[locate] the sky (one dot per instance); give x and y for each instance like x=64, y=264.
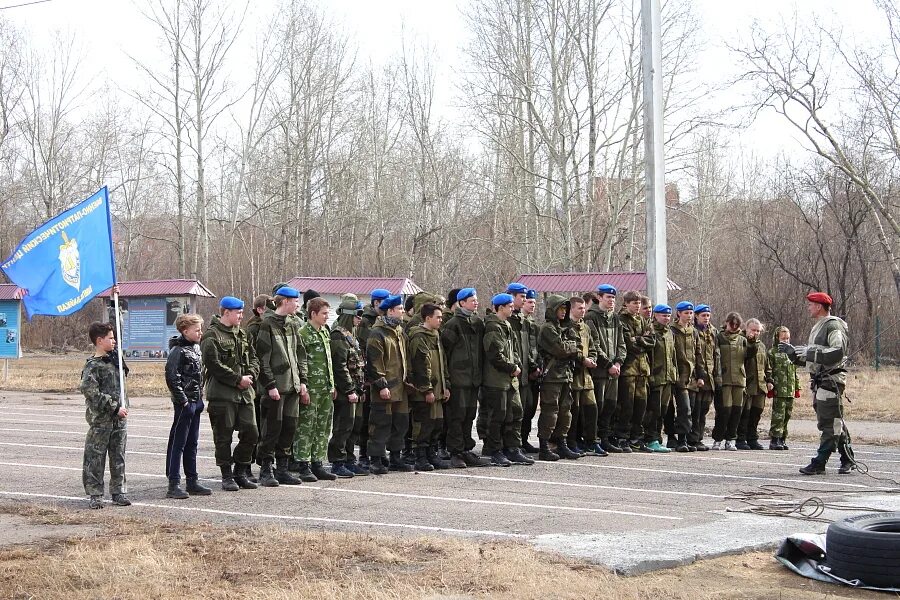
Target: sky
x=109, y=30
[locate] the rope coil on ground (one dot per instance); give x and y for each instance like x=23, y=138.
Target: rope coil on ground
x=768, y=501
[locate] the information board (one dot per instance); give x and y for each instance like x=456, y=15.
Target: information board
x=147, y=325
x=10, y=328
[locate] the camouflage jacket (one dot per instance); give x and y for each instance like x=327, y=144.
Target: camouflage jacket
x=708, y=364
x=611, y=349
x=784, y=374
x=685, y=356
x=346, y=362
x=557, y=344
x=427, y=366
x=462, y=336
x=525, y=342
x=100, y=386
x=281, y=354
x=227, y=356
x=734, y=350
x=369, y=315
x=759, y=373
x=386, y=361
x=251, y=325
x=317, y=343
x=637, y=344
x=588, y=347
x=663, y=368
x=500, y=358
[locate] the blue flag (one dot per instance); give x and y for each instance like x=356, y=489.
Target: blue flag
x=66, y=261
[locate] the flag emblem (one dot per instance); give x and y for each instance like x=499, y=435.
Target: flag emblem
x=70, y=262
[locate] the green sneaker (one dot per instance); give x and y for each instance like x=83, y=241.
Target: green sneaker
x=657, y=447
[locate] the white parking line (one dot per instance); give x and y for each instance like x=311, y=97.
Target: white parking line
x=79, y=416
x=304, y=487
x=81, y=449
x=283, y=517
x=131, y=425
x=81, y=433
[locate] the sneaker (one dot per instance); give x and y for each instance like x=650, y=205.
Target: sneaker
x=610, y=447
x=339, y=469
x=598, y=450
x=729, y=445
x=717, y=445
x=121, y=500
x=742, y=445
x=700, y=447
x=376, y=466
x=96, y=502
x=358, y=469
x=655, y=446
x=682, y=447
x=457, y=462
x=624, y=446
x=499, y=460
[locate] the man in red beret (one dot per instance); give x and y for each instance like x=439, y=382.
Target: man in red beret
x=825, y=355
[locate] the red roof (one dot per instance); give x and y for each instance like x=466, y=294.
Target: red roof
x=162, y=287
x=355, y=285
x=588, y=282
x=8, y=291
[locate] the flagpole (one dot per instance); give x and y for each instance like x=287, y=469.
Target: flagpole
x=124, y=396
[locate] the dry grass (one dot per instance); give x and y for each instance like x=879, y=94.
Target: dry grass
x=141, y=559
x=873, y=396
x=62, y=374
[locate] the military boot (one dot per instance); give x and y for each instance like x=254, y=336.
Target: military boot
x=528, y=448
x=357, y=468
x=671, y=442
x=815, y=467
x=250, y=476
x=282, y=474
x=341, y=470
x=563, y=450
x=175, y=490
x=266, y=476
x=306, y=476
x=545, y=453
x=458, y=461
x=435, y=459
x=775, y=443
x=195, y=489
x=228, y=483
x=398, y=463
x=742, y=445
x=681, y=444
x=847, y=462
x=473, y=460
x=376, y=467
x=242, y=477
x=517, y=457
x=422, y=463
x=755, y=445
x=321, y=472
x=610, y=447
x=784, y=445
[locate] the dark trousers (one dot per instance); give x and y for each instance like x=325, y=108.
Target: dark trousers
x=631, y=407
x=660, y=397
x=556, y=411
x=830, y=422
x=183, y=438
x=460, y=412
x=678, y=413
x=225, y=418
x=361, y=426
x=427, y=423
x=277, y=427
x=504, y=427
x=700, y=403
x=750, y=414
x=729, y=416
x=584, y=418
x=388, y=422
x=529, y=394
x=344, y=422
x=606, y=392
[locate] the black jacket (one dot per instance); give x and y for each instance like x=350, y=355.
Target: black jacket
x=183, y=371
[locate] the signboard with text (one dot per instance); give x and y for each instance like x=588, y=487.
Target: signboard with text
x=10, y=328
x=148, y=324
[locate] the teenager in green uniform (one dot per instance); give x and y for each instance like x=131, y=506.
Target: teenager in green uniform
x=786, y=389
x=678, y=413
x=709, y=377
x=759, y=384
x=611, y=355
x=663, y=373
x=635, y=370
x=734, y=350
x=348, y=365
x=369, y=315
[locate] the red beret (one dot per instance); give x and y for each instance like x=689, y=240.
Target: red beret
x=820, y=297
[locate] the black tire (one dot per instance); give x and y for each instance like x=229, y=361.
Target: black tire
x=865, y=547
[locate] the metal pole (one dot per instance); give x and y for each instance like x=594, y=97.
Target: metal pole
x=654, y=157
x=5, y=369
x=123, y=396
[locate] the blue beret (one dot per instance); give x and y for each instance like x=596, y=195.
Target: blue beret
x=465, y=293
x=287, y=292
x=379, y=294
x=501, y=299
x=516, y=288
x=684, y=305
x=231, y=303
x=663, y=309
x=605, y=288
x=702, y=308
x=390, y=302
x=531, y=295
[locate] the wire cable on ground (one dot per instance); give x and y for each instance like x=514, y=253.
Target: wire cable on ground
x=768, y=500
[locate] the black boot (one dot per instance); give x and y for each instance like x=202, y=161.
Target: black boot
x=610, y=447
x=376, y=467
x=195, y=489
x=742, y=445
x=775, y=443
x=306, y=476
x=242, y=477
x=755, y=445
x=545, y=453
x=228, y=483
x=266, y=476
x=563, y=450
x=398, y=463
x=848, y=464
x=528, y=448
x=282, y=474
x=681, y=444
x=250, y=476
x=517, y=457
x=422, y=463
x=342, y=470
x=815, y=467
x=321, y=472
x=435, y=459
x=671, y=442
x=175, y=490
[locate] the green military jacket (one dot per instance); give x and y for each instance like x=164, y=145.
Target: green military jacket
x=637, y=345
x=784, y=373
x=386, y=361
x=685, y=356
x=427, y=366
x=227, y=356
x=369, y=315
x=462, y=336
x=611, y=349
x=663, y=369
x=251, y=325
x=759, y=372
x=281, y=354
x=100, y=386
x=346, y=362
x=588, y=348
x=734, y=350
x=319, y=373
x=708, y=363
x=525, y=342
x=500, y=358
x=557, y=344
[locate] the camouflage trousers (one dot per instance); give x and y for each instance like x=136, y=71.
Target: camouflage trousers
x=505, y=424
x=829, y=419
x=314, y=427
x=556, y=411
x=782, y=407
x=427, y=422
x=699, y=409
x=225, y=418
x=388, y=422
x=100, y=442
